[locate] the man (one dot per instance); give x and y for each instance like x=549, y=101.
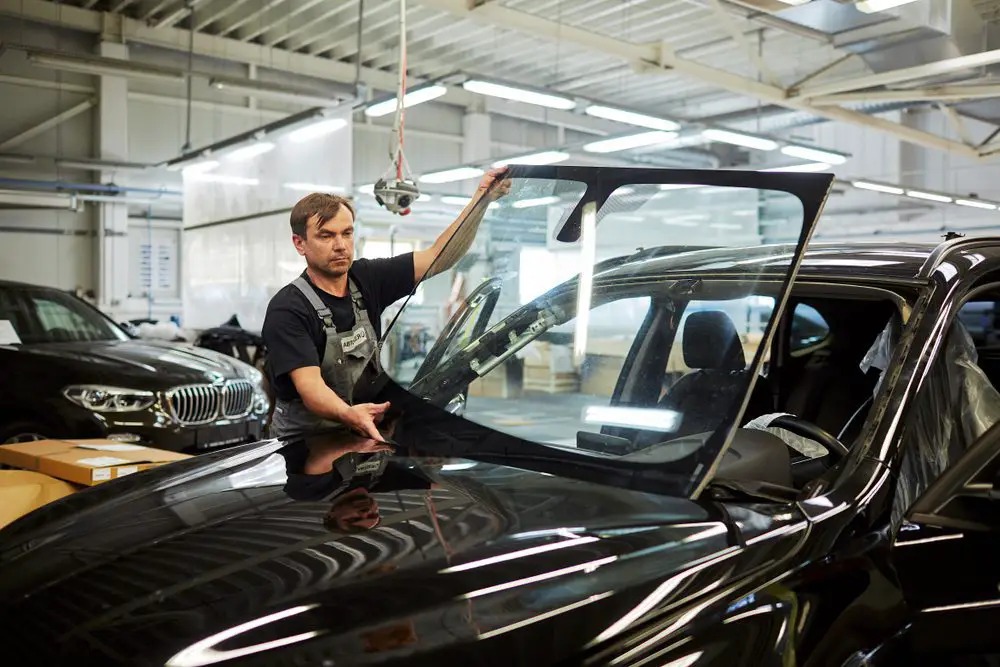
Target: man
x=322, y=330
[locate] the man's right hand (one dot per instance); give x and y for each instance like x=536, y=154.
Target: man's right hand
x=363, y=417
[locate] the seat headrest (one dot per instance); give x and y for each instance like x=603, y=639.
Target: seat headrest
x=711, y=342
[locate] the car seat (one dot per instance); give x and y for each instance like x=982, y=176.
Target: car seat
x=704, y=396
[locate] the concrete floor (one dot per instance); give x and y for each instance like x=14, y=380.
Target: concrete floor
x=537, y=416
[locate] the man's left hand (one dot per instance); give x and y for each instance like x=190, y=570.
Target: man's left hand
x=502, y=188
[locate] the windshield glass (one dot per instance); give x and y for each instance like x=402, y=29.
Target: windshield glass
x=614, y=312
x=40, y=315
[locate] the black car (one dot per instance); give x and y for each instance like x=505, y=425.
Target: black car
x=68, y=371
x=838, y=510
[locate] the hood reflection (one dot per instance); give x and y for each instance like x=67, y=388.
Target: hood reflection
x=345, y=469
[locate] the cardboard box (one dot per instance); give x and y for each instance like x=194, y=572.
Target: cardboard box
x=23, y=491
x=87, y=462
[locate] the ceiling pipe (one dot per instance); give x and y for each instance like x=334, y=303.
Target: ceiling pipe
x=83, y=187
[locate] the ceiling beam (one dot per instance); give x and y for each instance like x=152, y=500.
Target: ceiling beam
x=933, y=94
x=939, y=68
x=204, y=19
x=661, y=58
x=744, y=42
x=47, y=124
x=957, y=123
x=276, y=16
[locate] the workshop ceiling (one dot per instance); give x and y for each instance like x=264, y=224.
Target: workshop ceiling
x=689, y=59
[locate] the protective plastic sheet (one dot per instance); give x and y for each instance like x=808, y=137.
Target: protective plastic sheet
x=880, y=352
x=805, y=446
x=954, y=407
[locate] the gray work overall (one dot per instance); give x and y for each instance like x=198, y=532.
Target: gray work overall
x=348, y=357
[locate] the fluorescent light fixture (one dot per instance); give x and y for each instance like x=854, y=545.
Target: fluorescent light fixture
x=452, y=200
x=654, y=419
x=538, y=201
x=14, y=158
x=873, y=6
x=250, y=152
x=928, y=196
x=418, y=96
x=317, y=130
x=679, y=186
x=877, y=187
x=726, y=225
x=367, y=189
x=630, y=141
x=544, y=157
x=814, y=154
x=631, y=118
x=518, y=94
x=102, y=66
x=452, y=175
x=739, y=139
x=313, y=187
x=680, y=223
x=264, y=90
x=974, y=203
x=807, y=168
x=201, y=167
x=224, y=179
x=795, y=3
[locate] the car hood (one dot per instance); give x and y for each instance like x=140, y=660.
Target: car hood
x=157, y=364
x=235, y=556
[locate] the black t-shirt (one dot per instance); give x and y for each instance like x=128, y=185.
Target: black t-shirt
x=293, y=332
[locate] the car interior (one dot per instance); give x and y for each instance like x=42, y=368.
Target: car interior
x=829, y=390
x=805, y=410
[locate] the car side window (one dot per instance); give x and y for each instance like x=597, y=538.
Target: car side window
x=808, y=328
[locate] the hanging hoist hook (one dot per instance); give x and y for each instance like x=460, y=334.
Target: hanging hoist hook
x=394, y=191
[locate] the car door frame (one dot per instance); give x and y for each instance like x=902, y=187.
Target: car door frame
x=859, y=491
x=946, y=562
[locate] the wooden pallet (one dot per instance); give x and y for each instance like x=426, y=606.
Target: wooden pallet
x=559, y=383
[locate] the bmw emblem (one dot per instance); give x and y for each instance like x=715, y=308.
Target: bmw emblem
x=215, y=377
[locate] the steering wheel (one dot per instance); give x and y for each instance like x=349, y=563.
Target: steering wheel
x=806, y=429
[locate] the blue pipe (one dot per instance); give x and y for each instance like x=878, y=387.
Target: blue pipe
x=92, y=187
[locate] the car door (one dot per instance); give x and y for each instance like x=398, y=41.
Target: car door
x=947, y=556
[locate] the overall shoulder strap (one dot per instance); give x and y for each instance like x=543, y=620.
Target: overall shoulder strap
x=310, y=294
x=356, y=297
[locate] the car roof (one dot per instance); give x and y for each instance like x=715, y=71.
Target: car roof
x=18, y=284
x=898, y=263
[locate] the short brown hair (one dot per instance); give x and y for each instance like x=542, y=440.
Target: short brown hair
x=320, y=204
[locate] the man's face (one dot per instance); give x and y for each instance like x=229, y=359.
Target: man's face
x=328, y=246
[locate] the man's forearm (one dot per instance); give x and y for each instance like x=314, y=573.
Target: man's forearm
x=326, y=403
x=455, y=241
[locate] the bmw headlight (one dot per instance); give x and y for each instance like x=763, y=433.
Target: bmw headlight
x=100, y=398
x=255, y=375
x=261, y=403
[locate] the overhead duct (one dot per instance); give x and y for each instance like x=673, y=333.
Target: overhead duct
x=912, y=35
